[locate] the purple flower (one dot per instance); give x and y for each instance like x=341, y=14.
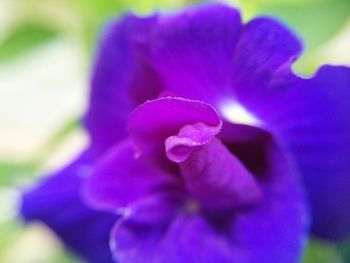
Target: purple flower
x=199, y=135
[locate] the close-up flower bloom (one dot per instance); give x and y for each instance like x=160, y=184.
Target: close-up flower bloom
x=204, y=146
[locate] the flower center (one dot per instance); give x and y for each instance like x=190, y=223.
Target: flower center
x=236, y=113
x=189, y=133
x=192, y=206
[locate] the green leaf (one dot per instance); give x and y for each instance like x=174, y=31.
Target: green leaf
x=315, y=22
x=23, y=39
x=11, y=173
x=321, y=252
x=344, y=249
x=9, y=230
x=64, y=257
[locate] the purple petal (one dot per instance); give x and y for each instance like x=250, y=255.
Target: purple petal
x=121, y=79
x=135, y=237
x=217, y=179
x=57, y=203
x=120, y=179
x=264, y=53
x=154, y=121
x=156, y=207
x=313, y=121
x=276, y=229
x=188, y=238
x=192, y=51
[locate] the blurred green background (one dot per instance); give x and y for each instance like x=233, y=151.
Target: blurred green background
x=46, y=48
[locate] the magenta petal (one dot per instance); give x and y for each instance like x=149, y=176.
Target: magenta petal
x=190, y=137
x=152, y=122
x=120, y=179
x=217, y=179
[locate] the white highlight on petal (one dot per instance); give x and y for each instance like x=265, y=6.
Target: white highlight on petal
x=236, y=113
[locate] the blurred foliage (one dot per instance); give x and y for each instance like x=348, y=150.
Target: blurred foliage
x=15, y=237
x=56, y=140
x=9, y=232
x=12, y=176
x=12, y=172
x=80, y=19
x=24, y=38
x=321, y=252
x=344, y=250
x=315, y=23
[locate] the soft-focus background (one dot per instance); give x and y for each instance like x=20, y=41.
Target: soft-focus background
x=46, y=49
